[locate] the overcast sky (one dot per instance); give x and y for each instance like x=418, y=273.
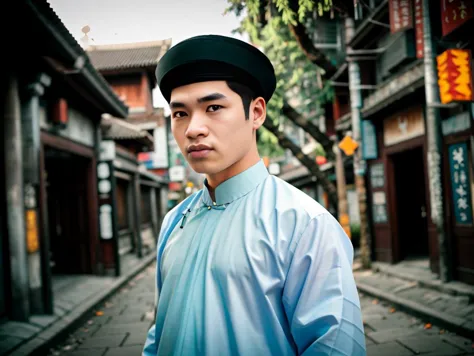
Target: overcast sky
x=122, y=21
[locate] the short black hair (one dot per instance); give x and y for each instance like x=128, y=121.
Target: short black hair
x=245, y=93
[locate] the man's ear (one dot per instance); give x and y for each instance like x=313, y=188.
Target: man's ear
x=258, y=112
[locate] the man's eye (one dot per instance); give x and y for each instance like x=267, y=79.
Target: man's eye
x=179, y=114
x=214, y=108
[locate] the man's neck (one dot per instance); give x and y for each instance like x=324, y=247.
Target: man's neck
x=214, y=180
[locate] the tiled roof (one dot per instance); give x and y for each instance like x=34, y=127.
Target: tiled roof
x=157, y=116
x=128, y=55
x=119, y=129
x=64, y=41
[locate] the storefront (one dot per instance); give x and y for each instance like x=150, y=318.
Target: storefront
x=458, y=150
x=456, y=88
x=399, y=190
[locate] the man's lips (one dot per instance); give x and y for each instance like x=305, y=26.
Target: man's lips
x=199, y=151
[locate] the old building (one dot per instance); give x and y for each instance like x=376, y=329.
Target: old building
x=408, y=134
x=129, y=68
x=53, y=100
x=137, y=203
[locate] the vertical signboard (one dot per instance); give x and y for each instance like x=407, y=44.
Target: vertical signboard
x=369, y=140
x=454, y=13
x=460, y=183
x=160, y=137
x=379, y=199
x=108, y=222
x=401, y=15
x=419, y=29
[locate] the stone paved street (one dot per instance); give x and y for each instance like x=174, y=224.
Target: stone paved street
x=118, y=328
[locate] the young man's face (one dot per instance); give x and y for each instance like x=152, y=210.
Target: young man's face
x=208, y=122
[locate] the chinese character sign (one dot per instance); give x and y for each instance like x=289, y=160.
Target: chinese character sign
x=460, y=183
x=419, y=29
x=454, y=13
x=401, y=15
x=455, y=75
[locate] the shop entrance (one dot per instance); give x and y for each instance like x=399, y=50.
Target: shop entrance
x=410, y=199
x=66, y=179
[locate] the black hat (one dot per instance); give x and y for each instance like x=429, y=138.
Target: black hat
x=215, y=57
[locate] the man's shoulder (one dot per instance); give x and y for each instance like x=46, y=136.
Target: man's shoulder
x=287, y=197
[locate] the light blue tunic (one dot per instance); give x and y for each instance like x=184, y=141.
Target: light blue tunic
x=263, y=270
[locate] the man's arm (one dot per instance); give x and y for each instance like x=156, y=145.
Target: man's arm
x=151, y=348
x=169, y=223
x=320, y=295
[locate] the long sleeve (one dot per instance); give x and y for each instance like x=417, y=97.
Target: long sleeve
x=320, y=295
x=151, y=348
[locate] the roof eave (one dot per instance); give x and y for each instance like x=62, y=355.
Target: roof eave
x=93, y=80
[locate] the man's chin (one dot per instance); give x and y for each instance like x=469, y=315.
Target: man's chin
x=203, y=166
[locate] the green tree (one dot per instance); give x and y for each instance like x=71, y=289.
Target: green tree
x=300, y=16
x=271, y=25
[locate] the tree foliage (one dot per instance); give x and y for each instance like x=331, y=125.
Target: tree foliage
x=299, y=81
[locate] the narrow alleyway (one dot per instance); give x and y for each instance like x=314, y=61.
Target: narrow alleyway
x=119, y=326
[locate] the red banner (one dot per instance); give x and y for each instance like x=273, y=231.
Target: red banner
x=401, y=15
x=455, y=75
x=454, y=13
x=419, y=33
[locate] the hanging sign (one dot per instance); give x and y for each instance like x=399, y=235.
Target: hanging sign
x=460, y=183
x=369, y=140
x=455, y=75
x=403, y=126
x=419, y=29
x=348, y=145
x=401, y=15
x=454, y=13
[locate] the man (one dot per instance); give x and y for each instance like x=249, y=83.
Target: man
x=249, y=265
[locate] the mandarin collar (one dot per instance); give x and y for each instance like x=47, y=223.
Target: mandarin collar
x=237, y=186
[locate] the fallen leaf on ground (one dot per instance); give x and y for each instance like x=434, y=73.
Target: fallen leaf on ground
x=428, y=326
x=375, y=301
x=392, y=310
x=99, y=313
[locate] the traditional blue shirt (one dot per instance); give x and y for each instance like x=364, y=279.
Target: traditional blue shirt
x=262, y=270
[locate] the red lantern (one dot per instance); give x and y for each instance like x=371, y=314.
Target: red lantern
x=321, y=160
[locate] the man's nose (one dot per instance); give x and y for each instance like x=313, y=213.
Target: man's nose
x=197, y=127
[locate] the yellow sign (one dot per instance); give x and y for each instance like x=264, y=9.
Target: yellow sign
x=266, y=161
x=345, y=223
x=32, y=238
x=348, y=145
x=455, y=76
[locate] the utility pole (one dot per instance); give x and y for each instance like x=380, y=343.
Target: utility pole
x=433, y=135
x=341, y=191
x=359, y=163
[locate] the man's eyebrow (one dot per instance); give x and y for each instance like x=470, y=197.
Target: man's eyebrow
x=176, y=105
x=211, y=97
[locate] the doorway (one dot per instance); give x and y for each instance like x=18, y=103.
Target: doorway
x=66, y=183
x=410, y=192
